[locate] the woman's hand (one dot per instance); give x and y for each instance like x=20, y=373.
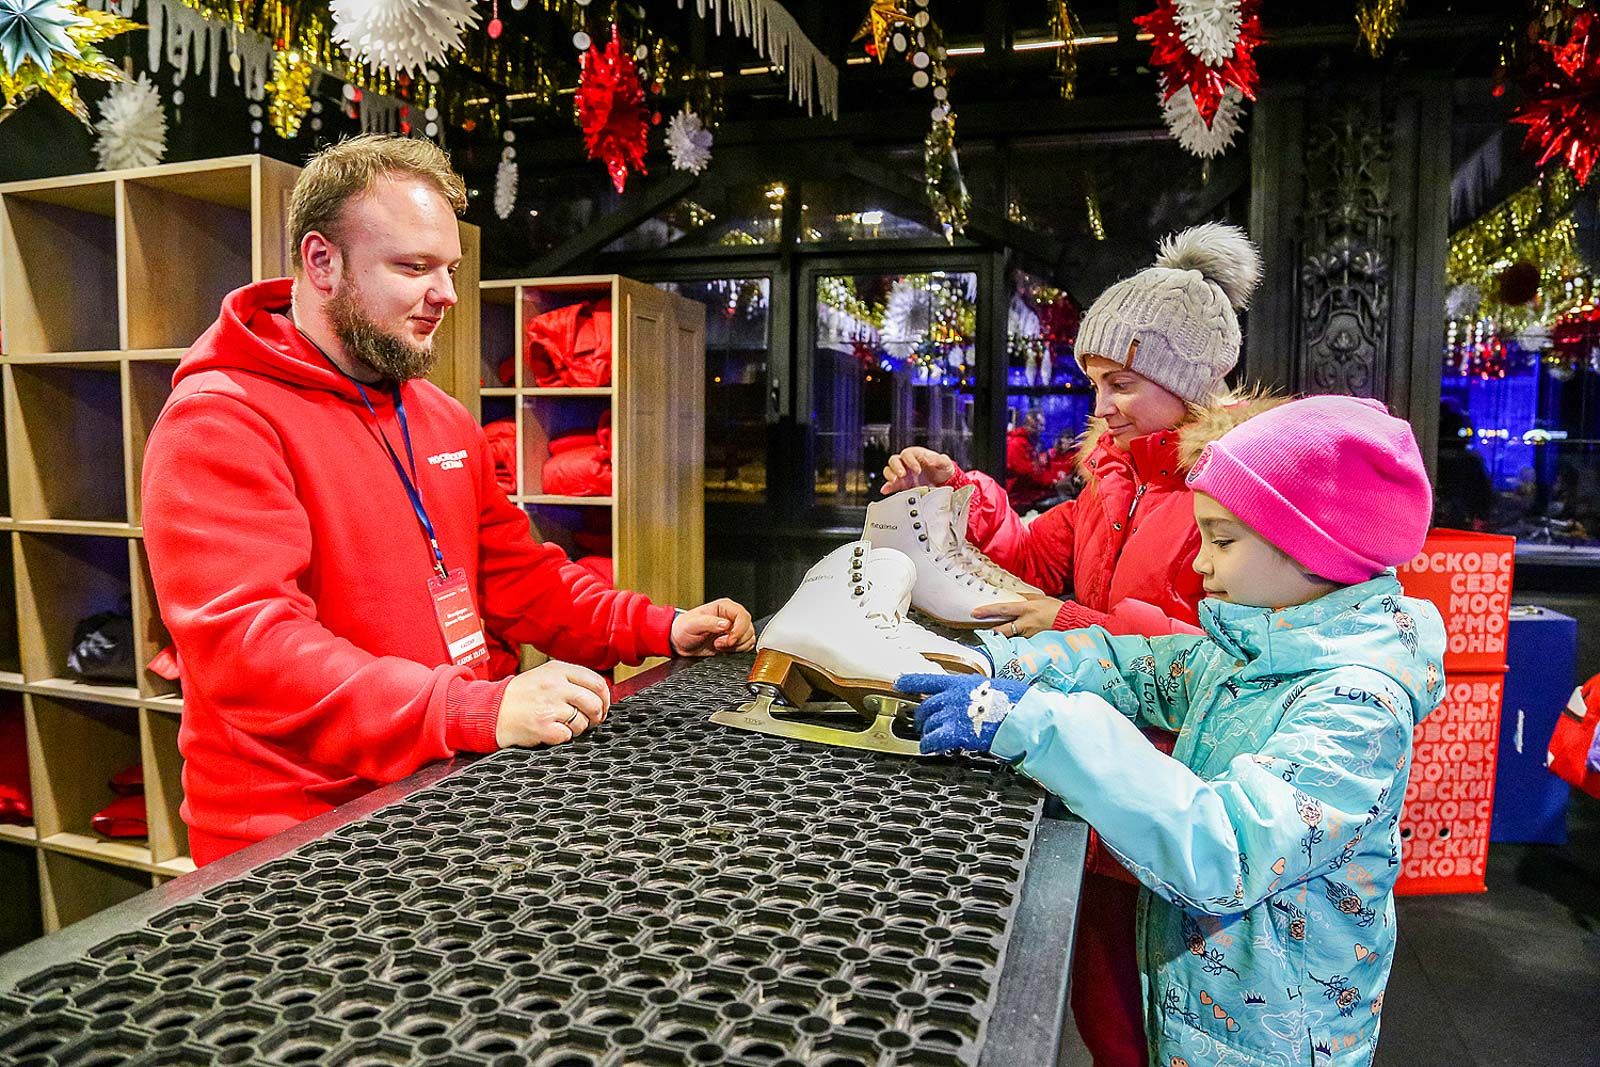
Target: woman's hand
x=917, y=466
x=1021, y=618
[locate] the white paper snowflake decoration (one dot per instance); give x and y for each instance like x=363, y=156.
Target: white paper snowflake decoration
x=1182, y=116
x=1210, y=28
x=688, y=142
x=133, y=126
x=505, y=186
x=401, y=36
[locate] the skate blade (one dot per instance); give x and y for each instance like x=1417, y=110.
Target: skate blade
x=764, y=715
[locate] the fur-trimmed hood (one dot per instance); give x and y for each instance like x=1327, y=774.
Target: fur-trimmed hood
x=1205, y=424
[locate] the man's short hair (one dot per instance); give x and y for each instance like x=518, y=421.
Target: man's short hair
x=349, y=169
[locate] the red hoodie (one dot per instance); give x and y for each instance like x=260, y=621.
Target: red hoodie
x=293, y=575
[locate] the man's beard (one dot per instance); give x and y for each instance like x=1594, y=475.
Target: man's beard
x=388, y=354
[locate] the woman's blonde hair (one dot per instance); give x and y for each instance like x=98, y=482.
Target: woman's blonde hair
x=344, y=171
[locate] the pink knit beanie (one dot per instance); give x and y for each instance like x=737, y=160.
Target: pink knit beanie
x=1336, y=482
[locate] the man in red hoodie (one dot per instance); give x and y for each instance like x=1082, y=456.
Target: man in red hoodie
x=327, y=539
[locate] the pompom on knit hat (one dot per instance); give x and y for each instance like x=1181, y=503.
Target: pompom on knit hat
x=1336, y=482
x=1177, y=322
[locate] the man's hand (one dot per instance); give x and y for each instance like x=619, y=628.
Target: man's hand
x=550, y=704
x=1020, y=618
x=917, y=466
x=962, y=712
x=720, y=626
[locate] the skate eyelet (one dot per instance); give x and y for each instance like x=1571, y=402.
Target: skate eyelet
x=916, y=526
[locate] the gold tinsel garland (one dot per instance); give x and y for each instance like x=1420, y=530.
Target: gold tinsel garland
x=291, y=91
x=1377, y=21
x=1064, y=25
x=1533, y=225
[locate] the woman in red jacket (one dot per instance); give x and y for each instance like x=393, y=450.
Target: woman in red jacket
x=1157, y=347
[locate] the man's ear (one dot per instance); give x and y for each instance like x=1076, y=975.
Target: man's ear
x=322, y=263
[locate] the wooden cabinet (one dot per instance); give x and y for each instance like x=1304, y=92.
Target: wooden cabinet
x=652, y=524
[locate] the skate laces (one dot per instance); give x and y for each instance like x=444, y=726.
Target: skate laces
x=873, y=607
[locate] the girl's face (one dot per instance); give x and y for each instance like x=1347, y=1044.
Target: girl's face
x=1241, y=567
x=1131, y=404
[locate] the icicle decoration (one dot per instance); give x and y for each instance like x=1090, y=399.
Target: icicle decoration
x=505, y=187
x=379, y=113
x=133, y=126
x=180, y=34
x=1183, y=118
x=1210, y=28
x=778, y=39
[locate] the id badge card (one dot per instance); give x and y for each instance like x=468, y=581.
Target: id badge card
x=458, y=619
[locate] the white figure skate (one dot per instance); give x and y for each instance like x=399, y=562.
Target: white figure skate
x=893, y=577
x=960, y=510
x=950, y=581
x=840, y=633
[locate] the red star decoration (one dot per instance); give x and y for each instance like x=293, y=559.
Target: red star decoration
x=611, y=110
x=1562, y=111
x=1171, y=57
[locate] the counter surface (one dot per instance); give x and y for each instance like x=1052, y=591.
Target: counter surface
x=661, y=891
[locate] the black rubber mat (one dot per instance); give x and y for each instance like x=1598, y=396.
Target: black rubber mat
x=663, y=891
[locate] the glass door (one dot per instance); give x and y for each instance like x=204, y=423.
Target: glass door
x=892, y=354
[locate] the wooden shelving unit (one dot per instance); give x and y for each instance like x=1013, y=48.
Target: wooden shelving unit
x=655, y=515
x=105, y=280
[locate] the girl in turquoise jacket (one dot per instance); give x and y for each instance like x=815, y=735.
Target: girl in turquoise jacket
x=1268, y=842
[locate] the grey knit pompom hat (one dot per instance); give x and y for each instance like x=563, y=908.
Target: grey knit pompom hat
x=1177, y=322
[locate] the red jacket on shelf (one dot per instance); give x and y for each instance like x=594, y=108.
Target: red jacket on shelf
x=570, y=346
x=580, y=463
x=293, y=576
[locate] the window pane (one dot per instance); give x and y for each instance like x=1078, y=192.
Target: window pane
x=1048, y=399
x=736, y=384
x=893, y=367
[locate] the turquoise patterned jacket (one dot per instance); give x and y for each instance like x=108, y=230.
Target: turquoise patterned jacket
x=1268, y=843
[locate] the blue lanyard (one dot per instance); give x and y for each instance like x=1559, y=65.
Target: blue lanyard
x=410, y=482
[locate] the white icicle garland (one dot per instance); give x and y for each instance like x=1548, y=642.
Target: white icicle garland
x=379, y=113
x=1182, y=116
x=176, y=30
x=688, y=142
x=505, y=188
x=133, y=126
x=779, y=40
x=1210, y=28
x=401, y=36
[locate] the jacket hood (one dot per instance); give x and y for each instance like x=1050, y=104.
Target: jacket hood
x=256, y=333
x=1210, y=422
x=1206, y=423
x=1371, y=624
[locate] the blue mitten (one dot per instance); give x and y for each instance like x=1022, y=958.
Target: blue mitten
x=961, y=711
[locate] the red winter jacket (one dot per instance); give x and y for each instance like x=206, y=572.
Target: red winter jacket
x=1123, y=550
x=292, y=573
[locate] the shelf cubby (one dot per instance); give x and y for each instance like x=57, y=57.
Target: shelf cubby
x=149, y=383
x=75, y=748
x=63, y=579
x=74, y=887
x=65, y=444
x=546, y=418
x=163, y=786
x=184, y=233
x=10, y=650
x=58, y=253
x=150, y=634
x=500, y=345
x=22, y=918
